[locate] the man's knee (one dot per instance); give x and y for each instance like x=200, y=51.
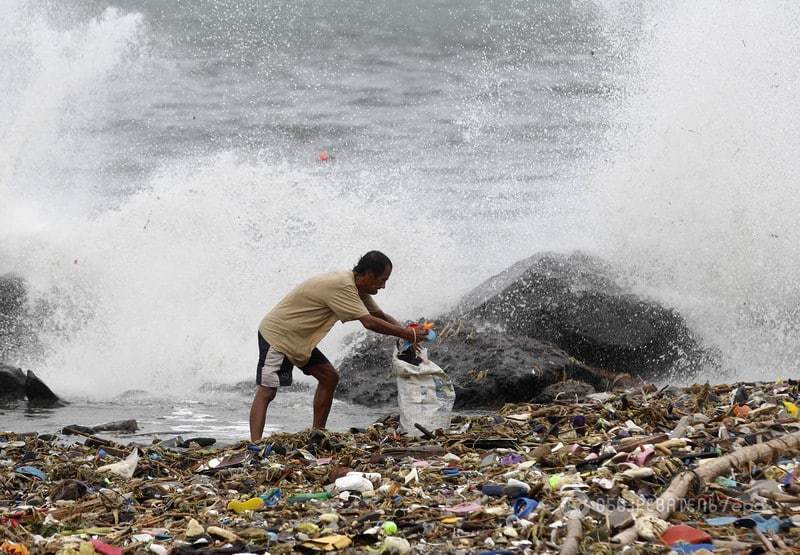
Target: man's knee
x=326, y=375
x=265, y=394
x=334, y=377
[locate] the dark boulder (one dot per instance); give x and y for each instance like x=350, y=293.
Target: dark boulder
x=17, y=386
x=578, y=303
x=543, y=327
x=12, y=384
x=17, y=334
x=39, y=394
x=487, y=367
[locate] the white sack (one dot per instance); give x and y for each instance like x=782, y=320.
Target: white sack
x=425, y=394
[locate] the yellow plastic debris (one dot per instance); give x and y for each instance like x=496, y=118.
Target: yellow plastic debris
x=85, y=548
x=239, y=507
x=328, y=543
x=13, y=548
x=791, y=408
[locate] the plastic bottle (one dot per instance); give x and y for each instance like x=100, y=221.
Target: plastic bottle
x=515, y=488
x=492, y=490
x=303, y=497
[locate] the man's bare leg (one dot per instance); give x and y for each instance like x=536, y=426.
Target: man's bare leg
x=327, y=379
x=258, y=410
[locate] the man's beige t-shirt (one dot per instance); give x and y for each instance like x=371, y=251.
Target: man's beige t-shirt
x=299, y=322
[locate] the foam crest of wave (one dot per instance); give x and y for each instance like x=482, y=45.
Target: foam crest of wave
x=698, y=198
x=51, y=78
x=168, y=290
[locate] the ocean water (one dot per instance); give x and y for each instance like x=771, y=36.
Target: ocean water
x=161, y=189
x=210, y=412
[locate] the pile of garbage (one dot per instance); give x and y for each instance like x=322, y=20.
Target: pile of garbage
x=705, y=469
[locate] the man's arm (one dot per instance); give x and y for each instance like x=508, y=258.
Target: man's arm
x=383, y=316
x=382, y=325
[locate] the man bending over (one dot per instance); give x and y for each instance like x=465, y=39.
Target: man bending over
x=289, y=334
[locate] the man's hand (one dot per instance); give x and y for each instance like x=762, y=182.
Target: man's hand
x=417, y=337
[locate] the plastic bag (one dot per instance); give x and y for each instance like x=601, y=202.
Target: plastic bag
x=425, y=394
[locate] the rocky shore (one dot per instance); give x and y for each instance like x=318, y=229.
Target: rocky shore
x=697, y=470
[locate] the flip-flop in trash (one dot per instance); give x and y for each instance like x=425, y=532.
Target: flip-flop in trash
x=524, y=506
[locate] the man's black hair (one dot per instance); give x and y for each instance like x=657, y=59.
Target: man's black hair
x=374, y=262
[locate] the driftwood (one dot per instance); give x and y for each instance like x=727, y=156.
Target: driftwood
x=668, y=501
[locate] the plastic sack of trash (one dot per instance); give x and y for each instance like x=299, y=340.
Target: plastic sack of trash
x=424, y=393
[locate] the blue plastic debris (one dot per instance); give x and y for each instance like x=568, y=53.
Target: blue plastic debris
x=271, y=498
x=691, y=547
x=755, y=520
x=31, y=471
x=492, y=490
x=721, y=520
x=524, y=506
x=263, y=451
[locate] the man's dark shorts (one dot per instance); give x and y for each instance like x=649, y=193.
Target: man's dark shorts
x=274, y=368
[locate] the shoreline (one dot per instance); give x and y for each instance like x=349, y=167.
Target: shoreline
x=507, y=481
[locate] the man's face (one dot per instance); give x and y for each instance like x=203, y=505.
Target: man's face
x=374, y=282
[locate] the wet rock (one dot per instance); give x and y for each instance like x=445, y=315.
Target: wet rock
x=546, y=319
x=124, y=426
x=12, y=384
x=488, y=368
x=17, y=386
x=578, y=303
x=127, y=426
x=39, y=394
